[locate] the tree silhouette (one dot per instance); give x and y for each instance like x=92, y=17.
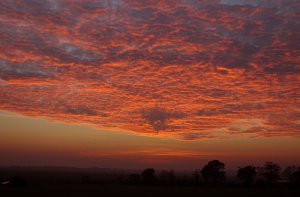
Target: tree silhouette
x=247, y=175
x=213, y=172
x=148, y=176
x=292, y=173
x=271, y=172
x=295, y=177
x=288, y=172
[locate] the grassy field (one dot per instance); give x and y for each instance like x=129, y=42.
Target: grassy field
x=143, y=191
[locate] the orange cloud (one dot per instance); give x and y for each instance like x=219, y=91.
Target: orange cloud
x=190, y=69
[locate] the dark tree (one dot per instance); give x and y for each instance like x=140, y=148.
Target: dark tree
x=213, y=172
x=288, y=172
x=148, y=176
x=247, y=175
x=271, y=172
x=295, y=178
x=292, y=174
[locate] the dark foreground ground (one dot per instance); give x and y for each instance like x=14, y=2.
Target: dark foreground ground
x=68, y=182
x=144, y=191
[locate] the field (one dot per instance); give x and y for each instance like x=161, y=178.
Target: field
x=72, y=182
x=145, y=191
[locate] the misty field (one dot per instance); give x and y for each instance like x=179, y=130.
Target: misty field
x=145, y=191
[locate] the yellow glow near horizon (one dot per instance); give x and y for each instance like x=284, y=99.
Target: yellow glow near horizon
x=88, y=146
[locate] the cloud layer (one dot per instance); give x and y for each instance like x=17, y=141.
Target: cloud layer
x=192, y=69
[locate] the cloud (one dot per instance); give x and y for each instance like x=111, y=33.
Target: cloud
x=185, y=68
x=22, y=70
x=82, y=110
x=283, y=69
x=242, y=2
x=158, y=117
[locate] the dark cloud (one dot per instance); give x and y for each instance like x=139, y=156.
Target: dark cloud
x=159, y=117
x=22, y=70
x=212, y=112
x=283, y=69
x=82, y=110
x=231, y=109
x=244, y=106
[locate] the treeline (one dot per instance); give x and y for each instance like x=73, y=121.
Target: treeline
x=214, y=174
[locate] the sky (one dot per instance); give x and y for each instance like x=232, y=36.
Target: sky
x=137, y=83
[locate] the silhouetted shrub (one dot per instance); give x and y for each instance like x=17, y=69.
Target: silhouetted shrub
x=288, y=171
x=295, y=178
x=292, y=174
x=213, y=172
x=271, y=172
x=148, y=176
x=247, y=175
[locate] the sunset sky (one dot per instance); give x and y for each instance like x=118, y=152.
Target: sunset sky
x=149, y=83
